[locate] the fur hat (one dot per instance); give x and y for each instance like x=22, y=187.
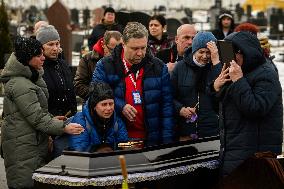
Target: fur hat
x=201, y=39
x=47, y=33
x=26, y=49
x=98, y=92
x=109, y=9
x=225, y=13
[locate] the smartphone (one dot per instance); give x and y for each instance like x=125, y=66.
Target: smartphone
x=226, y=52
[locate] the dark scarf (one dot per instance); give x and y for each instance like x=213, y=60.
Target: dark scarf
x=102, y=125
x=35, y=74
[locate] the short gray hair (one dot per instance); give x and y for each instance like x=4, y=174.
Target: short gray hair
x=134, y=30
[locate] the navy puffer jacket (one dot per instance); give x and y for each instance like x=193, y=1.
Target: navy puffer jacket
x=251, y=113
x=156, y=94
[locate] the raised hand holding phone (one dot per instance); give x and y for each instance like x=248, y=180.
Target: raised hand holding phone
x=226, y=52
x=235, y=71
x=222, y=78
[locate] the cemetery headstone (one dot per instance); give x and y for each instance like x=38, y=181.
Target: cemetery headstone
x=59, y=16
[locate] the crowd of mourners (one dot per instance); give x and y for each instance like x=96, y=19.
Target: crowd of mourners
x=139, y=85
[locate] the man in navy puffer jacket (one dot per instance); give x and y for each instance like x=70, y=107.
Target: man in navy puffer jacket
x=141, y=87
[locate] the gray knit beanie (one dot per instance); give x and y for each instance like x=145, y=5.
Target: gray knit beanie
x=46, y=34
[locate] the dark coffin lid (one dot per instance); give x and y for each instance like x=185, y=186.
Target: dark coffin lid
x=151, y=159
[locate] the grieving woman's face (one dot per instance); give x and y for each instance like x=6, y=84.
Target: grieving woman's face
x=202, y=56
x=37, y=61
x=105, y=108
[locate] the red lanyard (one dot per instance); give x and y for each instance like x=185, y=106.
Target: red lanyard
x=130, y=75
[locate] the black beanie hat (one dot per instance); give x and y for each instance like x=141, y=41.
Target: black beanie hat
x=26, y=49
x=109, y=9
x=99, y=91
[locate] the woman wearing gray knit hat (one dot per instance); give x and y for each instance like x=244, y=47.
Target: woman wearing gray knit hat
x=27, y=123
x=57, y=74
x=196, y=117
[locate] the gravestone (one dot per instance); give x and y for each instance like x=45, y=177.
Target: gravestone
x=239, y=11
x=75, y=16
x=249, y=11
x=97, y=16
x=141, y=17
x=172, y=26
x=59, y=16
x=123, y=18
x=86, y=16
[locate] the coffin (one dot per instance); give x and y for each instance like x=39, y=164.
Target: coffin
x=153, y=164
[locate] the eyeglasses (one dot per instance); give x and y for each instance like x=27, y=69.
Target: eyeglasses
x=109, y=48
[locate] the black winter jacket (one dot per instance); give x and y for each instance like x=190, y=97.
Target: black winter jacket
x=251, y=110
x=189, y=87
x=58, y=78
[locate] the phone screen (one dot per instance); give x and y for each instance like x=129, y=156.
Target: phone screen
x=226, y=51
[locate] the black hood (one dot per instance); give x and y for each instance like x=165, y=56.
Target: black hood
x=250, y=47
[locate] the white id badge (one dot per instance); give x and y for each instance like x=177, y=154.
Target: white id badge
x=136, y=97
